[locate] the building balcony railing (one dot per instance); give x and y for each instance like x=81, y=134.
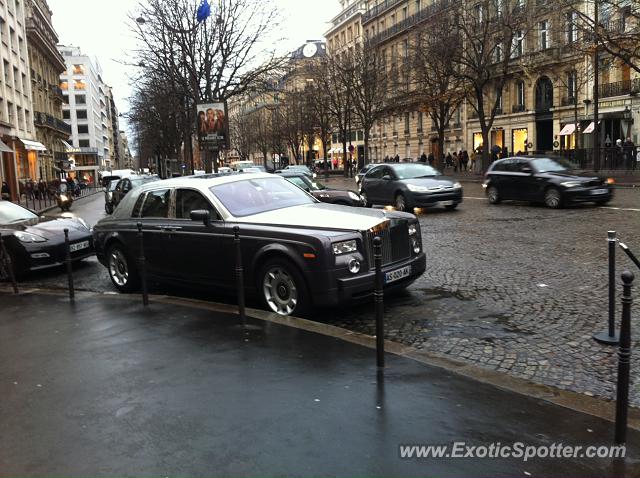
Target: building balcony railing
x=425, y=13
x=498, y=111
x=568, y=101
x=56, y=91
x=457, y=125
x=518, y=108
x=44, y=119
x=378, y=9
x=620, y=88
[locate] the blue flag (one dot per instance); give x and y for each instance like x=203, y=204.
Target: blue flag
x=204, y=11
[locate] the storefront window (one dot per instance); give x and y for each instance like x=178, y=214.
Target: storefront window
x=519, y=139
x=477, y=141
x=497, y=138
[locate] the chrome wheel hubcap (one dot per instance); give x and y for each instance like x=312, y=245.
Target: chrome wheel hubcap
x=493, y=194
x=118, y=268
x=280, y=291
x=552, y=198
x=400, y=203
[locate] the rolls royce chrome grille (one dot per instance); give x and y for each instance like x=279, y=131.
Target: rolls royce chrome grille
x=396, y=245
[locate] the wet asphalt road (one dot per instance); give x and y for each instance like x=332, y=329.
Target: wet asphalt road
x=515, y=288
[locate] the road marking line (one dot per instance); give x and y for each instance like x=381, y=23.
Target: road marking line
x=619, y=208
x=469, y=197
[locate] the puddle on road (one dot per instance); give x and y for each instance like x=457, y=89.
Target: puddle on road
x=438, y=293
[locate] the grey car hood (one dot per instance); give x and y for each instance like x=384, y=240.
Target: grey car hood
x=329, y=216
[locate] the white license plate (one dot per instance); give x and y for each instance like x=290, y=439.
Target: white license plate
x=79, y=246
x=446, y=203
x=599, y=191
x=397, y=274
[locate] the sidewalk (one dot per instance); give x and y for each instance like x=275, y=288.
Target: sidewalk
x=106, y=388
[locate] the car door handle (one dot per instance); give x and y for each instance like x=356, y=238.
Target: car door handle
x=169, y=228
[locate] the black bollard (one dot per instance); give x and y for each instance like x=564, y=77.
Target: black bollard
x=630, y=254
x=72, y=292
x=239, y=276
x=624, y=360
x=378, y=295
x=142, y=267
x=8, y=265
x=609, y=337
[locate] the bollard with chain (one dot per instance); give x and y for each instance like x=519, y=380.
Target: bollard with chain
x=624, y=360
x=239, y=276
x=67, y=246
x=8, y=265
x=142, y=266
x=630, y=254
x=609, y=337
x=378, y=295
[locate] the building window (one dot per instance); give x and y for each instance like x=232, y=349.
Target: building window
x=572, y=86
x=499, y=101
x=520, y=94
x=83, y=129
x=81, y=114
x=572, y=27
x=498, y=53
x=517, y=47
x=543, y=34
x=420, y=120
x=78, y=70
x=84, y=143
x=406, y=123
x=66, y=114
x=79, y=85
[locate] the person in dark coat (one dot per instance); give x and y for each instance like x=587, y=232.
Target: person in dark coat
x=431, y=159
x=629, y=151
x=397, y=159
x=423, y=158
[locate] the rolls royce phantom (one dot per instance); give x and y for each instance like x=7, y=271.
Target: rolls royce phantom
x=297, y=252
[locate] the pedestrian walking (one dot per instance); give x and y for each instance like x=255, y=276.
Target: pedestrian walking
x=423, y=158
x=397, y=159
x=455, y=162
x=448, y=161
x=5, y=191
x=629, y=150
x=465, y=160
x=431, y=159
x=473, y=159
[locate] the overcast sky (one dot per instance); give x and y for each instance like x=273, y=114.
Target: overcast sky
x=99, y=29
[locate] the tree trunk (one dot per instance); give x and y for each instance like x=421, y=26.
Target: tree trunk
x=366, y=159
x=485, y=148
x=440, y=161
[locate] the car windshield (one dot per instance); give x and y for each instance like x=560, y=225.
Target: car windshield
x=140, y=181
x=12, y=213
x=113, y=184
x=254, y=196
x=546, y=165
x=412, y=171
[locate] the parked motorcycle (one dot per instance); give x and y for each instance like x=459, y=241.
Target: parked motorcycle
x=64, y=197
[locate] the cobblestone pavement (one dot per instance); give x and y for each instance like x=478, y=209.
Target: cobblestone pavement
x=514, y=288
x=518, y=289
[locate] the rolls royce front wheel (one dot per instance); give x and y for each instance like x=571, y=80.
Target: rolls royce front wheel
x=283, y=288
x=122, y=270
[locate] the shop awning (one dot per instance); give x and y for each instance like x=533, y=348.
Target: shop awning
x=590, y=128
x=32, y=145
x=66, y=145
x=568, y=129
x=4, y=148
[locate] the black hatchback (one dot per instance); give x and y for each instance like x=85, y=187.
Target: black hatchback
x=543, y=180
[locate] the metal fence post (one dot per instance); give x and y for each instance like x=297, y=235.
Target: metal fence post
x=609, y=337
x=624, y=360
x=378, y=295
x=239, y=276
x=72, y=293
x=142, y=267
x=8, y=266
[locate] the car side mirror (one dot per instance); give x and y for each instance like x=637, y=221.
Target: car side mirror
x=201, y=215
x=386, y=177
x=527, y=170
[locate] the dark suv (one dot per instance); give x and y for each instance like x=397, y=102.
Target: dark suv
x=545, y=180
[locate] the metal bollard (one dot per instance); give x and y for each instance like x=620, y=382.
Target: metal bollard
x=624, y=360
x=609, y=337
x=378, y=295
x=239, y=276
x=630, y=254
x=142, y=267
x=6, y=259
x=72, y=292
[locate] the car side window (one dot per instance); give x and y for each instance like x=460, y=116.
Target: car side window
x=375, y=173
x=498, y=167
x=388, y=172
x=119, y=185
x=138, y=206
x=156, y=203
x=188, y=200
x=518, y=164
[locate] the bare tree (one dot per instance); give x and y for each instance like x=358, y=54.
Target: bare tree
x=320, y=112
x=437, y=86
x=491, y=34
x=369, y=90
x=215, y=59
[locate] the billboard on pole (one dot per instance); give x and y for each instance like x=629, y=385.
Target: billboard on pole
x=213, y=123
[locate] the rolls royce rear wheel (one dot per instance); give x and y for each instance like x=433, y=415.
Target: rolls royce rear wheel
x=283, y=288
x=122, y=269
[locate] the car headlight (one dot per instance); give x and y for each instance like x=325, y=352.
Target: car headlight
x=416, y=189
x=344, y=247
x=354, y=196
x=457, y=185
x=415, y=244
x=315, y=175
x=570, y=184
x=28, y=237
x=63, y=197
x=611, y=181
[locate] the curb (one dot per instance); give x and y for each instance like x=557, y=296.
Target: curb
x=597, y=407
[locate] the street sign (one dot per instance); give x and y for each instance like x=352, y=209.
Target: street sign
x=183, y=166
